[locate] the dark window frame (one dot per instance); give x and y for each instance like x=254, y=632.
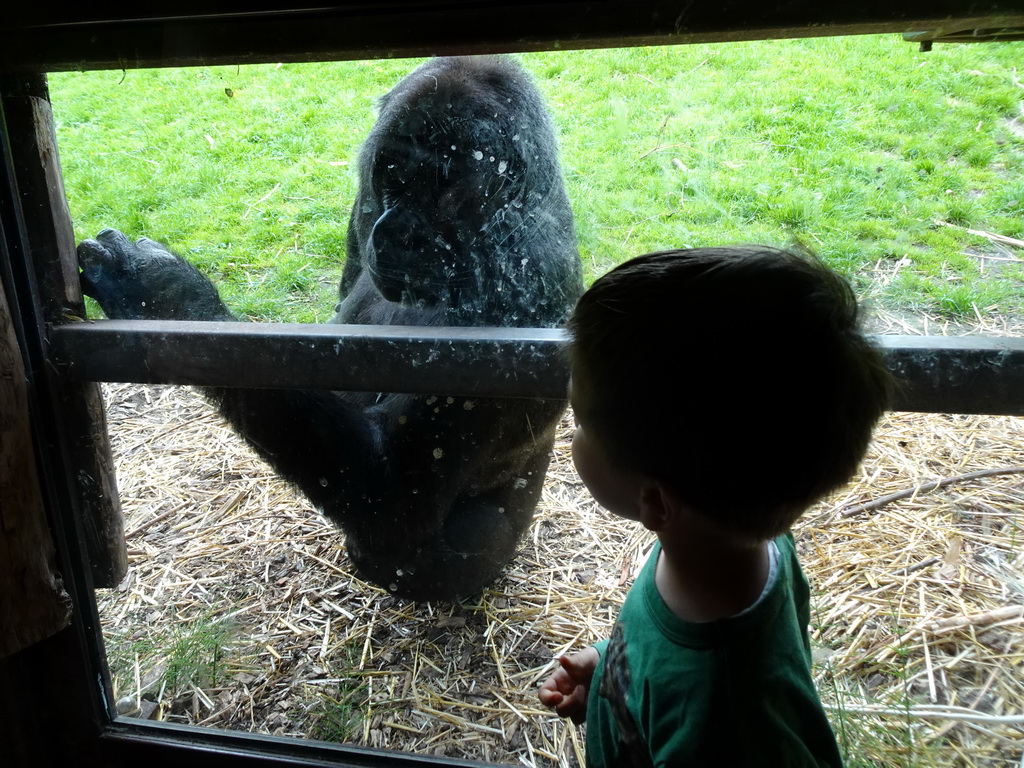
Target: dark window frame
x=55, y=706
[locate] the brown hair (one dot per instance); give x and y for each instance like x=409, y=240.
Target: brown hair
x=737, y=376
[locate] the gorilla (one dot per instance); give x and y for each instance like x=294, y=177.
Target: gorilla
x=460, y=219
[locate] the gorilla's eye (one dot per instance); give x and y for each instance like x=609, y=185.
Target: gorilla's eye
x=401, y=166
x=393, y=172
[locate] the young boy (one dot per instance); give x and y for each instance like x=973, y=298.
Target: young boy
x=718, y=393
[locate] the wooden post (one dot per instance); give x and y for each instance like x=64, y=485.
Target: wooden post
x=52, y=247
x=33, y=603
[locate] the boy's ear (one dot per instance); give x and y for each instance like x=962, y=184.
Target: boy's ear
x=659, y=507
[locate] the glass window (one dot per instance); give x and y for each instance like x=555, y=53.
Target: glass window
x=245, y=608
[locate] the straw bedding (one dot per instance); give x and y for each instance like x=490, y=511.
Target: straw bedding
x=241, y=611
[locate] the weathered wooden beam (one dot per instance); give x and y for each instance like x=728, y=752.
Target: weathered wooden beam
x=33, y=603
x=30, y=131
x=935, y=373
x=40, y=38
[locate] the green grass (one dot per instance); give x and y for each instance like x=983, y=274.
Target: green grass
x=193, y=653
x=853, y=146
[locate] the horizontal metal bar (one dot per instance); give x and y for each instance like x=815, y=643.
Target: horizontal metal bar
x=935, y=373
x=78, y=36
x=957, y=374
x=505, y=362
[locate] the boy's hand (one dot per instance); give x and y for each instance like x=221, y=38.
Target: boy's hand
x=566, y=690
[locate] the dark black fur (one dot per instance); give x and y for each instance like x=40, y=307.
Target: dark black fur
x=461, y=219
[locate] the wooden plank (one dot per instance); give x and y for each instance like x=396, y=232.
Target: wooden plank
x=51, y=243
x=34, y=604
x=936, y=373
x=34, y=38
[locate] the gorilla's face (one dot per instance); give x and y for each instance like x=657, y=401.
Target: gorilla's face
x=439, y=185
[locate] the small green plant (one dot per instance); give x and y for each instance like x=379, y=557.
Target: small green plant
x=195, y=653
x=338, y=715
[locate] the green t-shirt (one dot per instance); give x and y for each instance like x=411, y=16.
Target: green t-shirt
x=735, y=692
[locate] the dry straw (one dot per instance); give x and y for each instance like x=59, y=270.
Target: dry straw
x=241, y=611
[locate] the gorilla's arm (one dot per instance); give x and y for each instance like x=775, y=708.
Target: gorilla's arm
x=308, y=436
x=315, y=439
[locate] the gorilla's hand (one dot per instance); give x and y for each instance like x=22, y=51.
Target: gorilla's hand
x=145, y=281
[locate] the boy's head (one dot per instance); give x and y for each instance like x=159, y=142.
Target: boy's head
x=736, y=377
